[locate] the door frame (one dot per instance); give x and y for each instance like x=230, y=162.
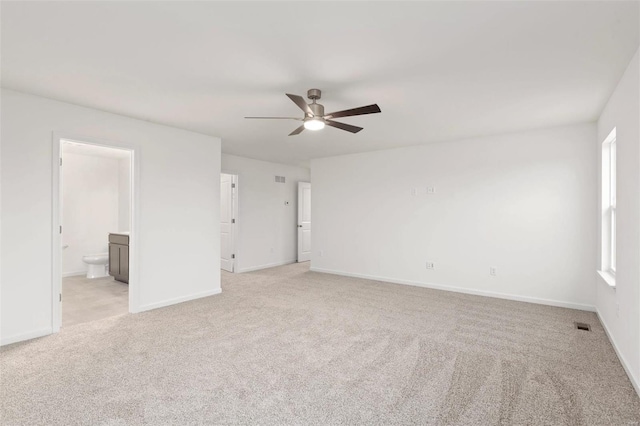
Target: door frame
x=235, y=177
x=299, y=225
x=56, y=221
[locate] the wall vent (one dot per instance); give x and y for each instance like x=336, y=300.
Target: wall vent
x=280, y=179
x=583, y=326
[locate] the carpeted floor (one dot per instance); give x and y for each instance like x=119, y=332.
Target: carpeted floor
x=289, y=346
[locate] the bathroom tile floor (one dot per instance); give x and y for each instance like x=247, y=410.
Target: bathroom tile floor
x=85, y=300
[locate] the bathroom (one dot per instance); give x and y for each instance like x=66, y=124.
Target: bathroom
x=96, y=218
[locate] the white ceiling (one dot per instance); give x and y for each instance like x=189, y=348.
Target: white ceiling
x=438, y=70
x=72, y=147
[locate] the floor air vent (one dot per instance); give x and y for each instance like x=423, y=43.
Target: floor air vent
x=583, y=326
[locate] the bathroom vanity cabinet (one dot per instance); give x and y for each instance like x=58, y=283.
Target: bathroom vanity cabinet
x=119, y=257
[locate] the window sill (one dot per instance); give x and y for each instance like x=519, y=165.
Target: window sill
x=608, y=278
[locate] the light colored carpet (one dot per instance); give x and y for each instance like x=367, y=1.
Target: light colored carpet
x=289, y=346
x=85, y=299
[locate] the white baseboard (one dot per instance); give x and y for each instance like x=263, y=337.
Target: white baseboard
x=73, y=274
x=265, y=266
x=25, y=336
x=623, y=361
x=177, y=300
x=464, y=290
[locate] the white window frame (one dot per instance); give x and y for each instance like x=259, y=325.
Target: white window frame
x=608, y=262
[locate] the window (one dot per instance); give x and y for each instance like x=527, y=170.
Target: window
x=612, y=202
x=608, y=262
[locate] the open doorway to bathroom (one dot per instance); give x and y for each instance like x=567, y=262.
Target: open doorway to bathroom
x=95, y=215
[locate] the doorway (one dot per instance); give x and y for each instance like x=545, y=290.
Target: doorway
x=304, y=221
x=93, y=190
x=228, y=214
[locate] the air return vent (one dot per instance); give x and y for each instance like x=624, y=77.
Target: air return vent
x=583, y=326
x=280, y=179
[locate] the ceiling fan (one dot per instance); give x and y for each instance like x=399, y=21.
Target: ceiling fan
x=315, y=118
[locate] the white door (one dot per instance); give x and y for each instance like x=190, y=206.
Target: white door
x=227, y=221
x=304, y=221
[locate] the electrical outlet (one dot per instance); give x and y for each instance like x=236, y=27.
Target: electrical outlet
x=431, y=265
x=431, y=189
x=321, y=253
x=414, y=191
x=492, y=271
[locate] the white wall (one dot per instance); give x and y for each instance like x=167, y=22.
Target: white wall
x=178, y=207
x=619, y=308
x=124, y=194
x=522, y=203
x=267, y=228
x=90, y=207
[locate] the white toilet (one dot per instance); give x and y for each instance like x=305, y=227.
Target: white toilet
x=97, y=264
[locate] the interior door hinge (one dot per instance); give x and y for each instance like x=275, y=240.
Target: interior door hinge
x=233, y=221
x=233, y=256
x=61, y=297
x=61, y=161
x=233, y=185
x=61, y=229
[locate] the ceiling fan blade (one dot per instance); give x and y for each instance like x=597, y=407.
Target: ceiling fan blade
x=342, y=126
x=299, y=100
x=297, y=131
x=369, y=109
x=278, y=118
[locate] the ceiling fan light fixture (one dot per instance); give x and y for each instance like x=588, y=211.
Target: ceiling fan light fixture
x=315, y=119
x=314, y=124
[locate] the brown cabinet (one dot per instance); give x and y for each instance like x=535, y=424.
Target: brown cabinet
x=119, y=257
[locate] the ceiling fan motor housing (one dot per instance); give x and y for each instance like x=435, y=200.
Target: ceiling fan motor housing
x=318, y=110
